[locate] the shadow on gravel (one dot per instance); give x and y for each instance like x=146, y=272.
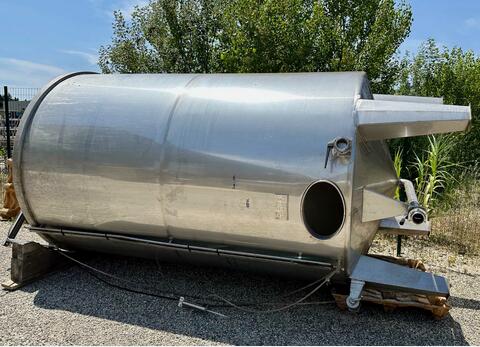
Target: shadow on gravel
x=471, y=304
x=75, y=290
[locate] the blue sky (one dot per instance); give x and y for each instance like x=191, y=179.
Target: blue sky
x=45, y=38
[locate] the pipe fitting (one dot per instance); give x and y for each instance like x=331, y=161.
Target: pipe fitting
x=416, y=213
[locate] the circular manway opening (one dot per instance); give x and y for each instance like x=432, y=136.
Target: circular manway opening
x=323, y=209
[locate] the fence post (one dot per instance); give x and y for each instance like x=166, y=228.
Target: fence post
x=7, y=121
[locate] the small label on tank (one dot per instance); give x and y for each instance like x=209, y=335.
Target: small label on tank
x=281, y=211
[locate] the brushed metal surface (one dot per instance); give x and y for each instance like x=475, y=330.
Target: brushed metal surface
x=377, y=206
x=383, y=274
x=408, y=98
x=386, y=119
x=217, y=158
x=399, y=225
x=222, y=159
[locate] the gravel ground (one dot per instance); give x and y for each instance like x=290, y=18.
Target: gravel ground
x=72, y=307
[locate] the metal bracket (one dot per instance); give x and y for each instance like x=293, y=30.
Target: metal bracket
x=402, y=226
x=379, y=273
x=377, y=206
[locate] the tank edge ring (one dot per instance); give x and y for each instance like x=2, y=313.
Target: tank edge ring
x=25, y=122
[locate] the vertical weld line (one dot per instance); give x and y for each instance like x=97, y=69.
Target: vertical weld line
x=163, y=151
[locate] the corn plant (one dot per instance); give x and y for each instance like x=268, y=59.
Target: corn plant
x=397, y=164
x=433, y=170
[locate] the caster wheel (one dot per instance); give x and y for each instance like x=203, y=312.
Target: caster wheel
x=353, y=305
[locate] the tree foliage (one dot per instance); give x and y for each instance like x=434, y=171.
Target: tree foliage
x=261, y=36
x=453, y=74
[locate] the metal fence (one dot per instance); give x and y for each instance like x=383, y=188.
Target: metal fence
x=13, y=103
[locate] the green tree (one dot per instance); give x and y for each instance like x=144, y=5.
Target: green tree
x=261, y=36
x=165, y=36
x=453, y=74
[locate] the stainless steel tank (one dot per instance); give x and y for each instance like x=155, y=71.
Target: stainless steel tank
x=286, y=171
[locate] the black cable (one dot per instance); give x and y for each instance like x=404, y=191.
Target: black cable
x=166, y=297
x=91, y=270
x=173, y=296
x=283, y=308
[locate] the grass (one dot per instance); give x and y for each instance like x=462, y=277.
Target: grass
x=458, y=225
x=448, y=190
x=433, y=171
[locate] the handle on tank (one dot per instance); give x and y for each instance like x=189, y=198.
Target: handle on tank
x=416, y=213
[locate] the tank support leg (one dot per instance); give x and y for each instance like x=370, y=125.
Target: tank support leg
x=14, y=229
x=353, y=300
x=399, y=245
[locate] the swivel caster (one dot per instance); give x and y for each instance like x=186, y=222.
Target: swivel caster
x=353, y=300
x=353, y=305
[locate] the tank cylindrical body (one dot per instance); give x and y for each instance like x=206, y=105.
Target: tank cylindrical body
x=223, y=160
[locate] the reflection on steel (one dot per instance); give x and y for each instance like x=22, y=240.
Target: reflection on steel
x=218, y=162
x=408, y=98
x=379, y=119
x=394, y=276
x=377, y=206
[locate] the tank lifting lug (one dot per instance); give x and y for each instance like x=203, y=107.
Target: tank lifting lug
x=353, y=299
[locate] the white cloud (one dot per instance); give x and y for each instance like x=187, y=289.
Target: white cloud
x=472, y=23
x=128, y=6
x=125, y=6
x=410, y=45
x=31, y=66
x=91, y=58
x=24, y=73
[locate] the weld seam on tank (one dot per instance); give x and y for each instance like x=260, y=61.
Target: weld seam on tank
x=164, y=141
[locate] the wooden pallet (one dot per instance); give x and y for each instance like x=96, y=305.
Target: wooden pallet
x=391, y=300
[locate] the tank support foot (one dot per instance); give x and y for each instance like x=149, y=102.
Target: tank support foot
x=353, y=300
